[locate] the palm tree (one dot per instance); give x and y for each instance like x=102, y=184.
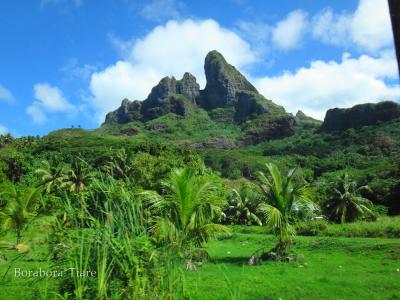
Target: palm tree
x=242, y=209
x=77, y=178
x=283, y=194
x=348, y=204
x=187, y=211
x=20, y=209
x=121, y=165
x=51, y=175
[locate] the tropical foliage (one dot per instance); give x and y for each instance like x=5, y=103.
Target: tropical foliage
x=188, y=210
x=243, y=207
x=347, y=203
x=283, y=193
x=141, y=212
x=21, y=207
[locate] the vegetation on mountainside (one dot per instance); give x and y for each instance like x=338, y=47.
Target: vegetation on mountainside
x=136, y=203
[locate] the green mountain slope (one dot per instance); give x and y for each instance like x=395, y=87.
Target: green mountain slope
x=236, y=130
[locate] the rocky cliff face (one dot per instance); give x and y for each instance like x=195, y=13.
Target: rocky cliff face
x=188, y=87
x=251, y=104
x=360, y=115
x=169, y=95
x=129, y=111
x=223, y=83
x=226, y=87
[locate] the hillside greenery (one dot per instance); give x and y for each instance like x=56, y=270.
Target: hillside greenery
x=159, y=209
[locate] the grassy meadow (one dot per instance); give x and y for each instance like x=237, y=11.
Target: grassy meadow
x=326, y=267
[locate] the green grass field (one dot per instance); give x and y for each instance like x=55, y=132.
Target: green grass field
x=332, y=268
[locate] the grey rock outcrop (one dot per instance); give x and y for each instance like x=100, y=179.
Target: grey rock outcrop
x=301, y=115
x=223, y=82
x=169, y=95
x=270, y=128
x=306, y=121
x=226, y=89
x=129, y=111
x=188, y=87
x=251, y=104
x=360, y=115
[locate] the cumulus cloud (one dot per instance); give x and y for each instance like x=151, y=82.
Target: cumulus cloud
x=285, y=34
x=325, y=85
x=161, y=10
x=6, y=95
x=180, y=46
x=368, y=28
x=49, y=99
x=36, y=113
x=332, y=28
x=171, y=49
x=288, y=33
x=3, y=129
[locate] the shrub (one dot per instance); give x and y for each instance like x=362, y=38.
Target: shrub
x=311, y=228
x=384, y=227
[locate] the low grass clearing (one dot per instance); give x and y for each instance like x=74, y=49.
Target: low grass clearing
x=332, y=268
x=384, y=227
x=328, y=268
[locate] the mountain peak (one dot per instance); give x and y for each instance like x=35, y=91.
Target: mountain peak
x=214, y=56
x=223, y=82
x=226, y=87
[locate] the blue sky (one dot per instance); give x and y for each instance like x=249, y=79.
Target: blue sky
x=68, y=62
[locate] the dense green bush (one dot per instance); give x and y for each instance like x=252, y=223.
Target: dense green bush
x=311, y=228
x=388, y=227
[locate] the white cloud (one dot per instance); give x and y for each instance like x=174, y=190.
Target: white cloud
x=6, y=95
x=289, y=32
x=286, y=34
x=122, y=80
x=371, y=27
x=332, y=28
x=368, y=28
x=177, y=47
x=161, y=10
x=3, y=129
x=324, y=85
x=171, y=49
x=49, y=99
x=36, y=113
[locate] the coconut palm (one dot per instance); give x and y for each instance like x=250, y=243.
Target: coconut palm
x=283, y=194
x=51, y=175
x=121, y=165
x=347, y=203
x=77, y=179
x=187, y=211
x=21, y=208
x=242, y=209
x=78, y=176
